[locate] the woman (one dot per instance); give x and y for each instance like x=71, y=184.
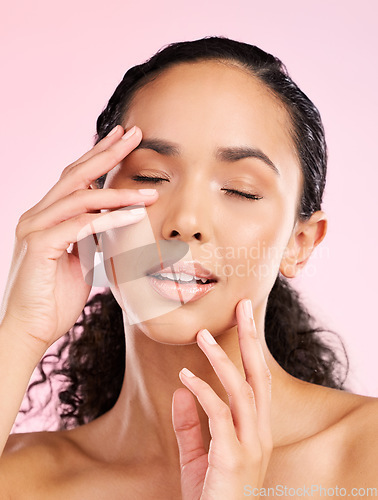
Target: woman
x=237, y=157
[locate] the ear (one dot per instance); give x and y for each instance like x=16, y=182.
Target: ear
x=305, y=237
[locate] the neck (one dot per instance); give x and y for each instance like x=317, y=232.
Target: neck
x=142, y=414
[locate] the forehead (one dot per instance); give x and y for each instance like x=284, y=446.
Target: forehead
x=210, y=104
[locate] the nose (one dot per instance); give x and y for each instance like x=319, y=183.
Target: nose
x=189, y=214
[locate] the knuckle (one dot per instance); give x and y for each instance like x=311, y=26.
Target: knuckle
x=64, y=172
x=110, y=155
x=20, y=229
x=246, y=391
x=67, y=170
x=253, y=335
x=188, y=425
x=78, y=221
x=222, y=356
x=25, y=215
x=28, y=239
x=32, y=240
x=226, y=460
x=82, y=224
x=223, y=412
x=81, y=219
x=79, y=193
x=21, y=218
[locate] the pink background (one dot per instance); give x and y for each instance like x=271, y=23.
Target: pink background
x=61, y=62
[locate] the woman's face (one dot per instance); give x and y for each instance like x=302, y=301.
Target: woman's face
x=202, y=108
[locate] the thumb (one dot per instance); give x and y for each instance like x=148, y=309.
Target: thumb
x=187, y=426
x=193, y=456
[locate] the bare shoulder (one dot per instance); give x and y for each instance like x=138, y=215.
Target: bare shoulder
x=23, y=441
x=360, y=456
x=363, y=419
x=45, y=444
x=55, y=465
x=40, y=456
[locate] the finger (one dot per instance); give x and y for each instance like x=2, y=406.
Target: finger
x=74, y=248
x=79, y=202
x=111, y=138
x=106, y=142
x=255, y=367
x=84, y=173
x=187, y=427
x=54, y=241
x=221, y=426
x=240, y=393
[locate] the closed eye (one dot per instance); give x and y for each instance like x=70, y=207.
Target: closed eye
x=143, y=178
x=229, y=192
x=234, y=192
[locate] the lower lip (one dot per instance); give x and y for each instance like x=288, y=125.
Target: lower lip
x=178, y=291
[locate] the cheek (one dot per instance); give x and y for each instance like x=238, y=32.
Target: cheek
x=253, y=244
x=255, y=257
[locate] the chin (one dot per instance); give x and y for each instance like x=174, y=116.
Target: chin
x=168, y=333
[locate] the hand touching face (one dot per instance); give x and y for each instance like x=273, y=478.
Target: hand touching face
x=241, y=443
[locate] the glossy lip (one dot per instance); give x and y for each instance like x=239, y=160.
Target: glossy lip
x=179, y=292
x=192, y=267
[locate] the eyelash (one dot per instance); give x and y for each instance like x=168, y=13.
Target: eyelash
x=229, y=192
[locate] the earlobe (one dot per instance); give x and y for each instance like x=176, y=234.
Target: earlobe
x=305, y=238
x=288, y=265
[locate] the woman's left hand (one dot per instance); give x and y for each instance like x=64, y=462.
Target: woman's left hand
x=241, y=438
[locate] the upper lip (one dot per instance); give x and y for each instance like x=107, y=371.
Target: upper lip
x=191, y=267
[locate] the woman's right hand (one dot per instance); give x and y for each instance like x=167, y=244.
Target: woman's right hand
x=46, y=290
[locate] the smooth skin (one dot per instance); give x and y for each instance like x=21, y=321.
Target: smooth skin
x=46, y=237
x=241, y=443
x=301, y=434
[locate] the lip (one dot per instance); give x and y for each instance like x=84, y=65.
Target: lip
x=179, y=292
x=192, y=268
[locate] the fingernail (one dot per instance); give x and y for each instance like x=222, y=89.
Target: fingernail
x=136, y=211
x=247, y=305
x=187, y=372
x=148, y=192
x=129, y=133
x=206, y=335
x=113, y=131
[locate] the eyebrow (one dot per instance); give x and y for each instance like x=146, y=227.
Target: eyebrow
x=223, y=154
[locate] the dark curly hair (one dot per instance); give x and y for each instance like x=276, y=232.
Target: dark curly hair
x=92, y=353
